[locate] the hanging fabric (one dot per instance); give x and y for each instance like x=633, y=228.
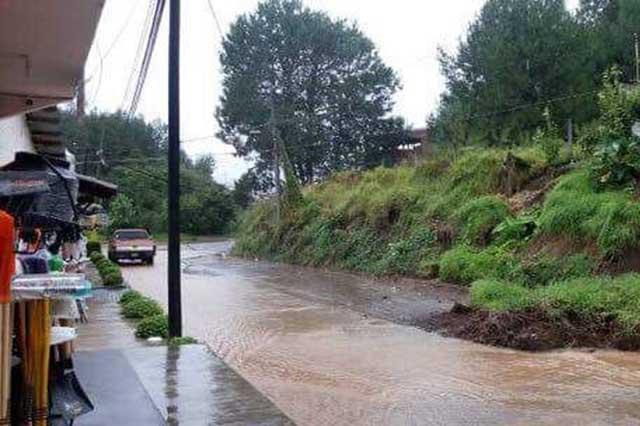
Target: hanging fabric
x=7, y=270
x=33, y=335
x=7, y=257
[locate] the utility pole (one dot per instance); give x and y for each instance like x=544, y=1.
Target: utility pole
x=637, y=42
x=276, y=149
x=80, y=98
x=570, y=137
x=174, y=291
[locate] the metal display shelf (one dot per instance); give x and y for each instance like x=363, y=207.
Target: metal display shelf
x=49, y=286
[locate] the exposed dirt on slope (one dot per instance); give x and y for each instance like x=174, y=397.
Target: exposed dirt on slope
x=530, y=331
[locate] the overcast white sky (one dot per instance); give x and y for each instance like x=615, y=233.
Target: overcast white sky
x=407, y=33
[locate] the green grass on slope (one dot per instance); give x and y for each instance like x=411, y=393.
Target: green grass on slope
x=446, y=216
x=382, y=221
x=577, y=210
x=595, y=299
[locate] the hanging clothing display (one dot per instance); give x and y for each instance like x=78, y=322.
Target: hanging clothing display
x=33, y=335
x=41, y=240
x=7, y=257
x=7, y=269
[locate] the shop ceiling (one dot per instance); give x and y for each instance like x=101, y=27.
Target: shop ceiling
x=43, y=48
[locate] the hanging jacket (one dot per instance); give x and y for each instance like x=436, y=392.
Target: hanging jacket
x=7, y=256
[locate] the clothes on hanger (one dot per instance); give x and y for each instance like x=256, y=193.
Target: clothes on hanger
x=7, y=256
x=7, y=270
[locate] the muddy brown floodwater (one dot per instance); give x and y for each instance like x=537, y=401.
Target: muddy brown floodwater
x=334, y=349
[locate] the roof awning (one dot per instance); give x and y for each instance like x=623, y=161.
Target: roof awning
x=43, y=48
x=46, y=136
x=96, y=187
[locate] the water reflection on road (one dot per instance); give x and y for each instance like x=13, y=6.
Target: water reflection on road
x=305, y=340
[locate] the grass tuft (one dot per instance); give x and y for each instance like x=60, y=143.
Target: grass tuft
x=478, y=217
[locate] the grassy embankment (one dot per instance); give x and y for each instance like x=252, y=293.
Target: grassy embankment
x=527, y=236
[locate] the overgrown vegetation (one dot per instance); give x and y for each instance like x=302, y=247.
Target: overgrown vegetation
x=401, y=220
x=319, y=80
x=132, y=153
x=499, y=99
x=537, y=228
x=586, y=299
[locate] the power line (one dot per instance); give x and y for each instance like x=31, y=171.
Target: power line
x=113, y=43
x=533, y=105
x=95, y=95
x=215, y=19
x=162, y=180
x=114, y=162
x=138, y=54
x=151, y=43
x=197, y=139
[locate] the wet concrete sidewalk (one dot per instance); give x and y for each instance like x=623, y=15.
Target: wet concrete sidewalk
x=132, y=383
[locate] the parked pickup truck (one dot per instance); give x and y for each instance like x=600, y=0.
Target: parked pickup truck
x=132, y=244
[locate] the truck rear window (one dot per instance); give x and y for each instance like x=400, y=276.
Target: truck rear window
x=131, y=235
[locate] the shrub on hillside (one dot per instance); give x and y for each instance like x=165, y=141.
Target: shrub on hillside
x=405, y=255
x=546, y=269
x=479, y=217
x=548, y=138
x=499, y=296
x=464, y=265
x=617, y=162
x=153, y=326
x=478, y=171
x=431, y=169
x=515, y=229
x=141, y=308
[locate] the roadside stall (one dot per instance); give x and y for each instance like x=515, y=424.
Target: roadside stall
x=44, y=46
x=41, y=292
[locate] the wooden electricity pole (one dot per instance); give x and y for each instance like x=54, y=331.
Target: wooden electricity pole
x=637, y=43
x=273, y=126
x=80, y=98
x=174, y=291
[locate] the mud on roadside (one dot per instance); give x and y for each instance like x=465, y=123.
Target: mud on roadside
x=530, y=331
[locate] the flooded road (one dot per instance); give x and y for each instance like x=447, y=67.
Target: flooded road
x=320, y=345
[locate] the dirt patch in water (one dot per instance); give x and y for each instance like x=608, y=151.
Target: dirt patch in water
x=530, y=331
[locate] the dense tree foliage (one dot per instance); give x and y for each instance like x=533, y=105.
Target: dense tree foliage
x=321, y=80
x=132, y=154
x=522, y=57
x=245, y=189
